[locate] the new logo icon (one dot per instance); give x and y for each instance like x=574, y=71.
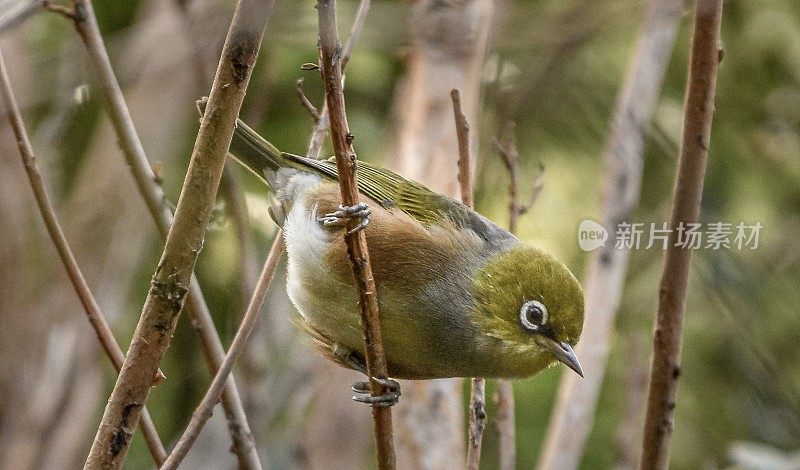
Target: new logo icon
x=591, y=235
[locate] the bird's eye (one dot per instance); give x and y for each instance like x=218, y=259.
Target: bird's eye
x=533, y=315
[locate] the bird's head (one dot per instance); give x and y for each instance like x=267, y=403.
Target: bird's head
x=529, y=310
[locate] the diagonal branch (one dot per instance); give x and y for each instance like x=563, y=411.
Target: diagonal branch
x=356, y=242
x=185, y=239
x=688, y=192
x=16, y=11
x=153, y=195
x=48, y=213
x=212, y=396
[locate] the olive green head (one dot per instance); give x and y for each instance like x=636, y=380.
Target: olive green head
x=530, y=308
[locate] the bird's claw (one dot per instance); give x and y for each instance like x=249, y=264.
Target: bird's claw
x=341, y=216
x=389, y=398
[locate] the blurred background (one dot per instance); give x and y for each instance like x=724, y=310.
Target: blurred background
x=553, y=67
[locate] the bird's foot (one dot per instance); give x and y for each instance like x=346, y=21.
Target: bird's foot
x=389, y=398
x=340, y=217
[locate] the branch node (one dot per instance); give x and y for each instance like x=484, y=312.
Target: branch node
x=62, y=10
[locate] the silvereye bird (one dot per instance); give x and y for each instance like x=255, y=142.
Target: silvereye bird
x=458, y=295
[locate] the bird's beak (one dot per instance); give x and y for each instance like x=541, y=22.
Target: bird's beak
x=564, y=353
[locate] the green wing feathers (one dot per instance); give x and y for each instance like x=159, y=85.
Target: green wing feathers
x=388, y=189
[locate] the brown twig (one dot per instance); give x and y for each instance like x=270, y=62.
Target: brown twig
x=321, y=128
x=159, y=208
x=48, y=213
x=312, y=110
x=355, y=32
x=464, y=163
x=688, y=192
x=477, y=409
x=68, y=12
x=573, y=414
x=477, y=422
x=356, y=242
x=233, y=194
x=506, y=428
x=184, y=241
x=506, y=146
x=205, y=408
x=239, y=412
x=448, y=47
x=322, y=118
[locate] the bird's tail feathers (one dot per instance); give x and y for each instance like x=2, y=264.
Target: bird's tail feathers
x=255, y=153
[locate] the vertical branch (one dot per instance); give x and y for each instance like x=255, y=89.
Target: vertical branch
x=506, y=427
x=450, y=41
x=185, y=239
x=212, y=396
x=506, y=146
x=688, y=192
x=356, y=242
x=464, y=161
x=322, y=118
x=576, y=402
x=477, y=409
x=48, y=213
x=82, y=14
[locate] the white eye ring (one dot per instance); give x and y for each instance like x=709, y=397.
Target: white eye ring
x=523, y=315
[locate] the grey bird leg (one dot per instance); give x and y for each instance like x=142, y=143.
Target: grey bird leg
x=344, y=213
x=389, y=398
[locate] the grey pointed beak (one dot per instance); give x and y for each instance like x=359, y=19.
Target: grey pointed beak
x=564, y=353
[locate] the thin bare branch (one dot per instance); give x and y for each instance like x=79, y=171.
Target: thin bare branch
x=448, y=47
x=185, y=239
x=355, y=32
x=160, y=210
x=356, y=241
x=536, y=189
x=477, y=409
x=506, y=427
x=48, y=213
x=236, y=209
x=312, y=110
x=464, y=161
x=321, y=128
x=15, y=12
x=573, y=414
x=64, y=10
x=688, y=192
x=506, y=146
x=205, y=408
x=477, y=422
x=322, y=119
